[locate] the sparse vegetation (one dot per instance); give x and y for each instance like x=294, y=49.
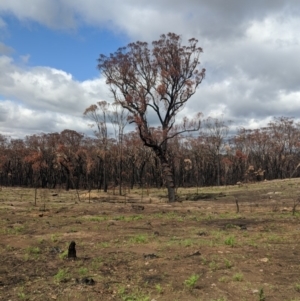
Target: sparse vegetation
x=230, y=241
x=261, y=295
x=33, y=250
x=136, y=295
x=21, y=294
x=228, y=264
x=159, y=288
x=191, y=281
x=224, y=279
x=82, y=271
x=177, y=252
x=213, y=265
x=297, y=287
x=63, y=255
x=62, y=275
x=238, y=277
x=139, y=239
x=54, y=237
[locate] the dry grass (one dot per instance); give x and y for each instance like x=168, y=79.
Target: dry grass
x=195, y=249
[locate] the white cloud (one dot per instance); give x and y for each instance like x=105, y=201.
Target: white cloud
x=44, y=99
x=4, y=49
x=19, y=121
x=251, y=53
x=275, y=31
x=53, y=14
x=144, y=19
x=46, y=88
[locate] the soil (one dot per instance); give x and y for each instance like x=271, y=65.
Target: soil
x=144, y=249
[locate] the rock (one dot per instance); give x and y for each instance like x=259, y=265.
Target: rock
x=86, y=280
x=196, y=253
x=264, y=259
x=243, y=227
x=150, y=256
x=202, y=233
x=138, y=207
x=55, y=250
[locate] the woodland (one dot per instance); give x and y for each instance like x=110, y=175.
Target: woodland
x=71, y=160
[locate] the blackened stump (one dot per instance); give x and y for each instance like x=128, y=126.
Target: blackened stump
x=72, y=250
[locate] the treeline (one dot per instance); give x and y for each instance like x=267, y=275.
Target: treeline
x=70, y=160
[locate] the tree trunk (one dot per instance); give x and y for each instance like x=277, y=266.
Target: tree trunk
x=171, y=194
x=132, y=175
x=104, y=175
x=168, y=176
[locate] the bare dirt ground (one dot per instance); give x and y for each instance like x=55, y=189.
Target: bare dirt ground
x=137, y=247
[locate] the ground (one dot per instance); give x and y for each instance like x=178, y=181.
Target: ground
x=137, y=247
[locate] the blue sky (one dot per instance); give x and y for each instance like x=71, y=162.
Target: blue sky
x=74, y=51
x=48, y=53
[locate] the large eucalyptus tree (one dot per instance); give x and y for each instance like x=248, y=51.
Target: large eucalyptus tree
x=154, y=83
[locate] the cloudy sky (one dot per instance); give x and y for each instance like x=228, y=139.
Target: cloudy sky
x=49, y=48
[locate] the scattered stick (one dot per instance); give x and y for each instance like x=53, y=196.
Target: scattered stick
x=196, y=253
x=78, y=196
x=35, y=193
x=237, y=205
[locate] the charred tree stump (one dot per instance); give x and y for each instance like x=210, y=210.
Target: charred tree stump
x=72, y=250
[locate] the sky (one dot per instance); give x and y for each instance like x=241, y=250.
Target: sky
x=49, y=51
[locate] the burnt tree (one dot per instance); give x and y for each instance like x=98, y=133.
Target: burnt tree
x=154, y=84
